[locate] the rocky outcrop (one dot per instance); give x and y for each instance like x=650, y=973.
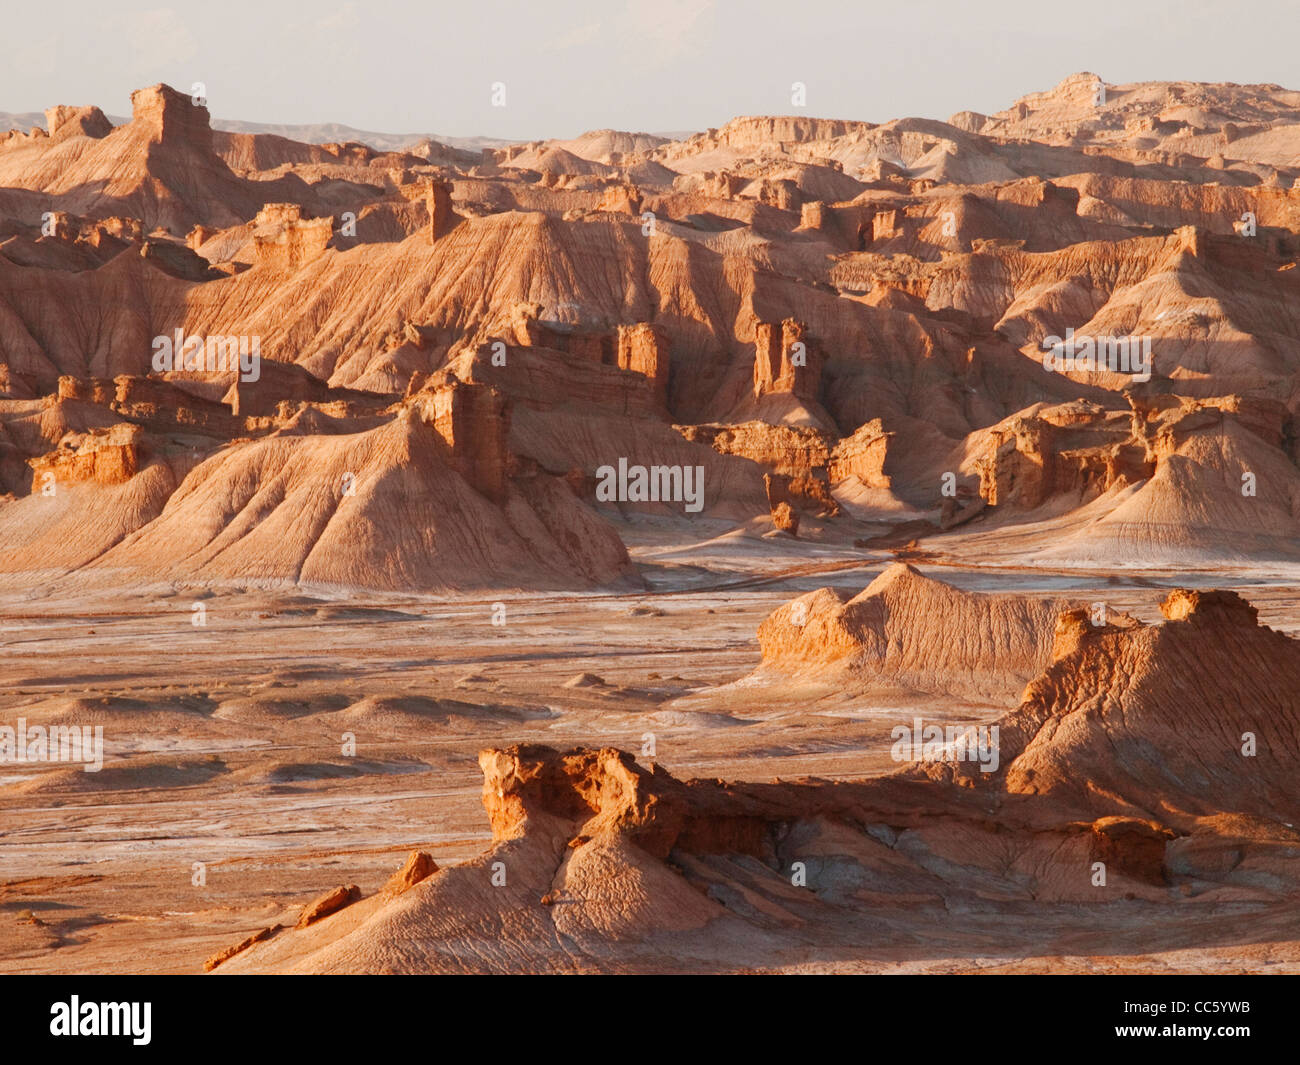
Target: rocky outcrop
x=1089, y=725
x=896, y=282
x=621, y=198
x=105, y=456
x=530, y=330
x=170, y=116
x=330, y=902
x=793, y=451
x=598, y=791
x=200, y=235
x=260, y=936
x=474, y=422
x=419, y=867
x=617, y=861
x=442, y=215
x=641, y=348
x=178, y=260
x=551, y=380
x=154, y=403
x=785, y=518
x=786, y=360
x=644, y=348
x=863, y=456
x=1132, y=846
x=808, y=493
x=1081, y=451
x=285, y=240
x=65, y=121
x=281, y=388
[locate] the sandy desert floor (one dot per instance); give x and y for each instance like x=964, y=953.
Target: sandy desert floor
x=225, y=746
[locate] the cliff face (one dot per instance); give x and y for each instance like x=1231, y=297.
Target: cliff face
x=643, y=349
x=106, y=457
x=474, y=422
x=863, y=456
x=168, y=117
x=785, y=360
x=442, y=215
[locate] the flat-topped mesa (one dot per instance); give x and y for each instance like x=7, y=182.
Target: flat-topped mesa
x=64, y=121
x=285, y=240
x=474, y=422
x=170, y=116
x=785, y=360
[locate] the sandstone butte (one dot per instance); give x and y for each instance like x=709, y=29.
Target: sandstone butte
x=844, y=325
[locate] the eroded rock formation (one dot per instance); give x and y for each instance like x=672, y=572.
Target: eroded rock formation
x=852, y=316
x=909, y=631
x=285, y=240
x=785, y=360
x=616, y=861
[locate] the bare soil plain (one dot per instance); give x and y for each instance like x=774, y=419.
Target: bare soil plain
x=637, y=555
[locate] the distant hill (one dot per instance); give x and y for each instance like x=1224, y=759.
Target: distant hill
x=321, y=133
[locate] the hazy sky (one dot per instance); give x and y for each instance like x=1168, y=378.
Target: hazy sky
x=574, y=65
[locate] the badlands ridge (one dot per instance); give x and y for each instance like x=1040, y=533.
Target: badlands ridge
x=761, y=445
x=841, y=323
